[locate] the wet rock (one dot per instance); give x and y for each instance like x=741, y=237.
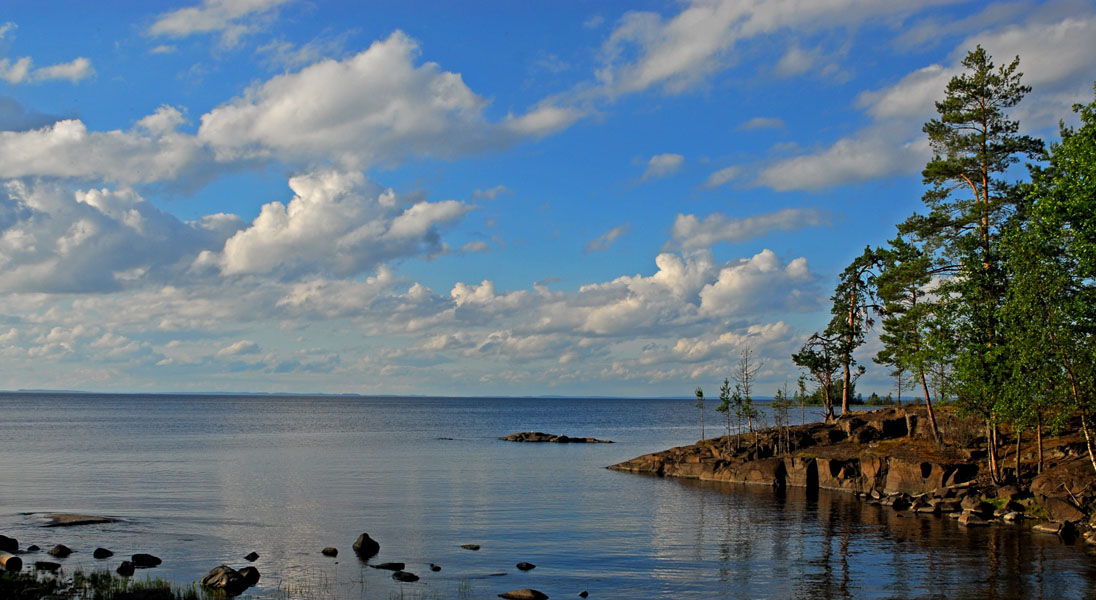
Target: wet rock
x=1011, y=517
x=470, y=546
x=583, y=594
x=366, y=547
x=525, y=566
x=45, y=565
x=33, y=548
x=250, y=575
x=101, y=553
x=8, y=544
x=252, y=556
x=225, y=579
x=1090, y=538
x=524, y=594
x=125, y=569
x=330, y=551
x=434, y=568
x=60, y=551
x=390, y=566
x=972, y=519
x=10, y=562
x=70, y=520
x=145, y=561
x=405, y=577
x=1059, y=528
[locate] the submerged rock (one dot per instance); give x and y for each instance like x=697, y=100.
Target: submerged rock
x=366, y=547
x=524, y=594
x=71, y=520
x=405, y=577
x=470, y=546
x=434, y=568
x=525, y=566
x=390, y=566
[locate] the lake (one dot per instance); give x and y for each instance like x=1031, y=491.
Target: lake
x=204, y=480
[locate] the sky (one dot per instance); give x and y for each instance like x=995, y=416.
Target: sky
x=585, y=198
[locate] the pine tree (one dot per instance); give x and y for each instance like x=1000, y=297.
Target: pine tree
x=851, y=320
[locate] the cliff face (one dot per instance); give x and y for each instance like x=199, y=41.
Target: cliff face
x=878, y=454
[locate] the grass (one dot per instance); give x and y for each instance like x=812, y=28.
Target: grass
x=94, y=585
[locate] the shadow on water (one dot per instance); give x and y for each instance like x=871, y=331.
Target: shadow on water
x=769, y=543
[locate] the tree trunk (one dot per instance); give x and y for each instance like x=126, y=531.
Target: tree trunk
x=1039, y=439
x=928, y=404
x=991, y=449
x=1019, y=443
x=1088, y=439
x=846, y=383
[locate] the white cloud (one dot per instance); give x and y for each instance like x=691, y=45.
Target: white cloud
x=662, y=165
x=5, y=28
x=239, y=348
x=762, y=123
x=796, y=61
x=606, y=239
x=231, y=18
x=475, y=247
x=690, y=232
x=376, y=107
x=847, y=161
x=22, y=71
x=722, y=176
x=491, y=193
x=335, y=223
x=753, y=285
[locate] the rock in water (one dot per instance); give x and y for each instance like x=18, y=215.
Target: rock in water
x=250, y=575
x=434, y=568
x=60, y=551
x=405, y=577
x=125, y=569
x=330, y=551
x=524, y=594
x=390, y=566
x=226, y=579
x=145, y=561
x=525, y=566
x=366, y=547
x=8, y=544
x=45, y=565
x=253, y=556
x=102, y=553
x=583, y=594
x=470, y=546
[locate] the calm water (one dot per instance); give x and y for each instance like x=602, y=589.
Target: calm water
x=202, y=480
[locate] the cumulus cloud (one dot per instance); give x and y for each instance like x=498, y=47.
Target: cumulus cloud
x=374, y=107
x=239, y=348
x=152, y=151
x=336, y=223
x=690, y=232
x=662, y=165
x=23, y=71
x=846, y=161
x=96, y=240
x=231, y=18
x=747, y=288
x=603, y=241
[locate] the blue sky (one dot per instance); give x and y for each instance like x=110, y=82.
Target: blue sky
x=502, y=198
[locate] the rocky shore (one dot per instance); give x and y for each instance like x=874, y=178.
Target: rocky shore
x=888, y=457
x=537, y=437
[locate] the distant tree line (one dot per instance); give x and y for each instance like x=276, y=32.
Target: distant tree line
x=987, y=298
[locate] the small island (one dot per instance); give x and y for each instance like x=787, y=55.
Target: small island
x=539, y=437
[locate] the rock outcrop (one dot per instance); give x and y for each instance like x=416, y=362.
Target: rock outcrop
x=537, y=436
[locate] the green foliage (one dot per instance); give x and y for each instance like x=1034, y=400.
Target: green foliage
x=820, y=356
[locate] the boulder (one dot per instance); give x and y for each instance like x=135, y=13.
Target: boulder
x=8, y=544
x=330, y=551
x=250, y=575
x=434, y=568
x=45, y=565
x=252, y=557
x=60, y=551
x=405, y=577
x=366, y=547
x=390, y=566
x=10, y=562
x=1011, y=517
x=525, y=566
x=583, y=594
x=102, y=553
x=470, y=546
x=226, y=579
x=1059, y=528
x=524, y=594
x=33, y=548
x=145, y=561
x=972, y=519
x=125, y=569
x=1059, y=509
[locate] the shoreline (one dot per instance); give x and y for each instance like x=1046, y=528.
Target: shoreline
x=886, y=457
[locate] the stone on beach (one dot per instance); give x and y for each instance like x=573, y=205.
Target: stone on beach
x=366, y=547
x=10, y=562
x=524, y=594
